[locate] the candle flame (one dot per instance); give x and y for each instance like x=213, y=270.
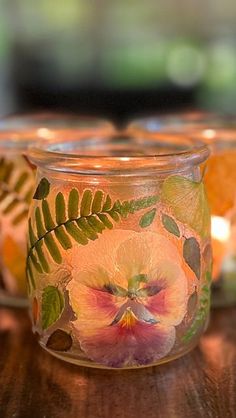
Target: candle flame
x=220, y=228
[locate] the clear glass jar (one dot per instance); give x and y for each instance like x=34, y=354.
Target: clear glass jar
x=220, y=180
x=119, y=260
x=17, y=179
x=170, y=122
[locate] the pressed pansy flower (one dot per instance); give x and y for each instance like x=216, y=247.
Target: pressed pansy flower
x=129, y=292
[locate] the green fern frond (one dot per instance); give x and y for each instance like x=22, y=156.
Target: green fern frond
x=15, y=192
x=80, y=219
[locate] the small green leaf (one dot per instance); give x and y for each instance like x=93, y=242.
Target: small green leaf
x=48, y=221
x=41, y=256
x=60, y=207
x=39, y=223
x=170, y=225
x=85, y=208
x=192, y=256
x=21, y=181
x=52, y=306
x=97, y=201
x=73, y=204
x=147, y=218
x=96, y=224
x=42, y=190
x=104, y=219
x=63, y=238
x=76, y=233
x=59, y=340
x=87, y=229
x=53, y=248
x=107, y=204
x=32, y=237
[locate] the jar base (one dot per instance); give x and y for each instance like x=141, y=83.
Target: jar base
x=11, y=301
x=69, y=358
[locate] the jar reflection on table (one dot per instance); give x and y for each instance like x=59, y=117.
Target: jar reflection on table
x=119, y=268
x=17, y=177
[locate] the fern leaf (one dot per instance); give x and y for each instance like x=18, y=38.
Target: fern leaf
x=60, y=209
x=53, y=248
x=63, y=238
x=48, y=221
x=105, y=220
x=73, y=204
x=107, y=204
x=41, y=256
x=97, y=225
x=85, y=208
x=39, y=223
x=87, y=229
x=97, y=202
x=76, y=233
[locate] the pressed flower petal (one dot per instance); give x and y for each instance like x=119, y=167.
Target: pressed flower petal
x=167, y=293
x=142, y=252
x=130, y=342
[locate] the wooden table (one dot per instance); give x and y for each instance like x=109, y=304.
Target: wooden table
x=33, y=384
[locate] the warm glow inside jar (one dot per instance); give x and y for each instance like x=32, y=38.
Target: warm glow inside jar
x=220, y=180
x=16, y=187
x=119, y=254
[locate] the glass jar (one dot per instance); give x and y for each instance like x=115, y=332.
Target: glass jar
x=170, y=122
x=17, y=179
x=220, y=180
x=119, y=260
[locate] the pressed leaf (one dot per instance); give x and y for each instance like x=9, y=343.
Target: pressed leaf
x=60, y=207
x=96, y=224
x=107, y=204
x=76, y=233
x=18, y=218
x=53, y=248
x=10, y=206
x=36, y=263
x=192, y=256
x=188, y=201
x=97, y=201
x=170, y=225
x=42, y=190
x=21, y=181
x=39, y=223
x=41, y=256
x=87, y=229
x=59, y=340
x=85, y=208
x=52, y=306
x=32, y=236
x=73, y=204
x=147, y=218
x=105, y=220
x=114, y=215
x=48, y=221
x=63, y=237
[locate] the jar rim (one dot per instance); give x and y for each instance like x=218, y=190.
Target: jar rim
x=20, y=131
x=75, y=157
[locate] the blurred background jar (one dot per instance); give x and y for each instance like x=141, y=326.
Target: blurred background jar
x=17, y=174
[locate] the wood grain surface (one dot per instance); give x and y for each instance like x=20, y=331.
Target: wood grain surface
x=33, y=384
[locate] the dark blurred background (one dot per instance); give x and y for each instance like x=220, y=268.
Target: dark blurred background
x=117, y=58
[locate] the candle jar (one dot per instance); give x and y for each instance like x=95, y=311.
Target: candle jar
x=17, y=179
x=220, y=180
x=119, y=260
x=16, y=189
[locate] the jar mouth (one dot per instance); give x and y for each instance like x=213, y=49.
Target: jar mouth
x=19, y=132
x=120, y=153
